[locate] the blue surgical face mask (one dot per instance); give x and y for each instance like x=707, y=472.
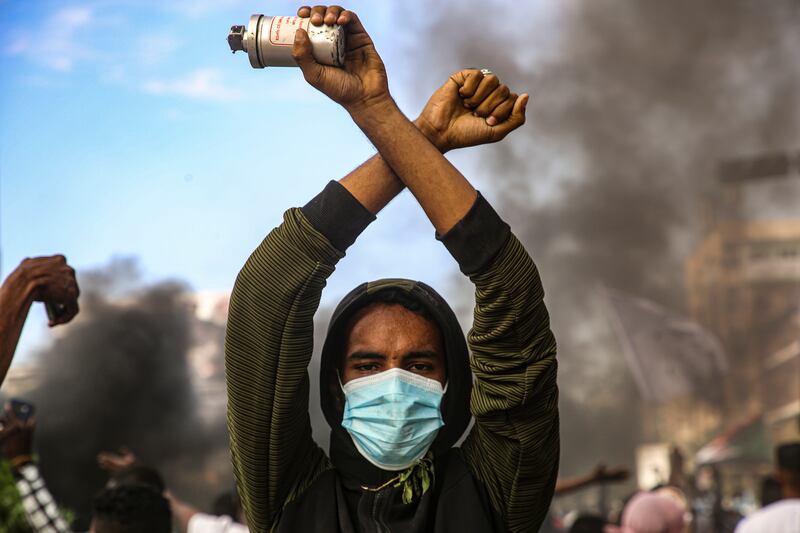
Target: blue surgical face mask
x=392, y=416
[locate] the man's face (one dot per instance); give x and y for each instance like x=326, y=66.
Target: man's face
x=385, y=336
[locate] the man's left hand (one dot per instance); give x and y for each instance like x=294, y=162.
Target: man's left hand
x=471, y=109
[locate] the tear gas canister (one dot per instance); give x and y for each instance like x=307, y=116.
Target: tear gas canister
x=268, y=41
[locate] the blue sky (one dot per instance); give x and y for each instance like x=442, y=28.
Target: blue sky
x=128, y=129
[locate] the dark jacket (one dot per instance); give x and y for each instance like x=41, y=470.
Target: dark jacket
x=502, y=476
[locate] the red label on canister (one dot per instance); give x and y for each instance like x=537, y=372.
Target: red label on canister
x=282, y=29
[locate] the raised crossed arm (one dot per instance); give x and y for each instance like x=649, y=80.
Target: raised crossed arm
x=469, y=109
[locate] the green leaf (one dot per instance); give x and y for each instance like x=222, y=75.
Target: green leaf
x=408, y=494
x=426, y=481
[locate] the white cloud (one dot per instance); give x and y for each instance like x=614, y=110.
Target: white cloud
x=201, y=84
x=55, y=44
x=153, y=49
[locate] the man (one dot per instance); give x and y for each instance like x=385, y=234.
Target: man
x=395, y=376
x=130, y=509
x=40, y=279
x=782, y=516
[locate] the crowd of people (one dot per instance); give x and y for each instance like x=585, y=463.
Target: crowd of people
x=135, y=498
x=694, y=503
x=399, y=382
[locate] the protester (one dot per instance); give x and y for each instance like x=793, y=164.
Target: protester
x=124, y=468
x=130, y=509
x=16, y=441
x=395, y=366
x=40, y=279
x=649, y=512
x=782, y=516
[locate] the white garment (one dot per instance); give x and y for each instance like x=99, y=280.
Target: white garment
x=780, y=517
x=206, y=523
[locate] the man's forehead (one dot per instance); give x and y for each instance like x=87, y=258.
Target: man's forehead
x=389, y=315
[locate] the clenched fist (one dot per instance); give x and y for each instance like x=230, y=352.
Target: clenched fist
x=470, y=109
x=362, y=81
x=52, y=281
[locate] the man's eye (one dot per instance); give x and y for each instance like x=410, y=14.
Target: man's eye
x=420, y=367
x=372, y=367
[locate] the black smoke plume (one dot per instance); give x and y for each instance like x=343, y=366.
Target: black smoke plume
x=633, y=105
x=120, y=375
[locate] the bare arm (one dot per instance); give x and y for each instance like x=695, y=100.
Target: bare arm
x=601, y=474
x=443, y=192
x=416, y=159
x=46, y=279
x=16, y=298
x=182, y=512
x=374, y=184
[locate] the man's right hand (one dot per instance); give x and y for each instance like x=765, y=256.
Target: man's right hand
x=471, y=109
x=362, y=81
x=50, y=280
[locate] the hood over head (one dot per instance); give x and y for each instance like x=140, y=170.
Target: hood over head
x=455, y=403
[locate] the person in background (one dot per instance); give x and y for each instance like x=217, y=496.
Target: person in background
x=782, y=516
x=130, y=509
x=40, y=279
x=41, y=511
x=192, y=520
x=649, y=512
x=706, y=501
x=16, y=442
x=124, y=468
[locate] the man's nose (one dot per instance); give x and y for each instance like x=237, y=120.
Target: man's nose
x=393, y=361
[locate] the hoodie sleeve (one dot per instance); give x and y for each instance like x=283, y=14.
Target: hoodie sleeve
x=513, y=448
x=268, y=346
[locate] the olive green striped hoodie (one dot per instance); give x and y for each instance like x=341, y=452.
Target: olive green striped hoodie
x=510, y=456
